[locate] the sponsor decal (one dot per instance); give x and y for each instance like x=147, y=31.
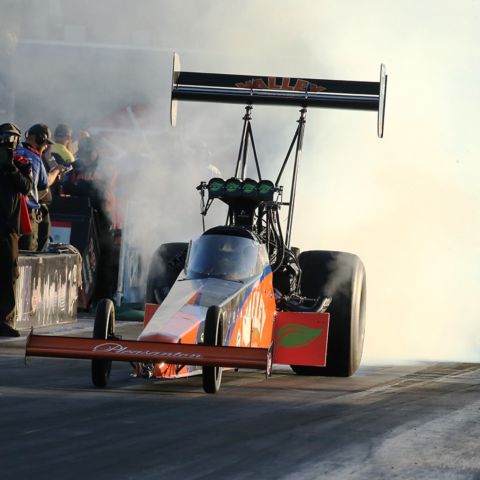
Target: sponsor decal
x=120, y=349
x=251, y=316
x=285, y=83
x=256, y=310
x=293, y=335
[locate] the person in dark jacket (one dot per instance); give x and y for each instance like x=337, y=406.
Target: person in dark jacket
x=88, y=180
x=15, y=180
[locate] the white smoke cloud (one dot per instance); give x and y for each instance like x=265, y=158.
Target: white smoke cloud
x=408, y=205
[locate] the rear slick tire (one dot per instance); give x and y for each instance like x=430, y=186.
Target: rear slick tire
x=339, y=275
x=212, y=336
x=103, y=329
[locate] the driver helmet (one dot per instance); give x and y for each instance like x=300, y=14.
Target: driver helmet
x=226, y=257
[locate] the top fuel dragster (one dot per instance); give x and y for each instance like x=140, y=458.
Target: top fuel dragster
x=239, y=296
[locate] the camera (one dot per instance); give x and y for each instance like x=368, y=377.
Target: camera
x=6, y=154
x=9, y=138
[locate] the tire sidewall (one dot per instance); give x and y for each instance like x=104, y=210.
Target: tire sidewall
x=103, y=329
x=212, y=336
x=358, y=315
x=340, y=275
x=104, y=325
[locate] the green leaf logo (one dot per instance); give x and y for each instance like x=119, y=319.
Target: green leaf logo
x=293, y=335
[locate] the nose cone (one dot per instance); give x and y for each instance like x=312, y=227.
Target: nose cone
x=159, y=337
x=180, y=317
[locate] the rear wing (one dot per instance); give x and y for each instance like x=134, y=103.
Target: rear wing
x=262, y=90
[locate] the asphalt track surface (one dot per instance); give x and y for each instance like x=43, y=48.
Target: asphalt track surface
x=397, y=422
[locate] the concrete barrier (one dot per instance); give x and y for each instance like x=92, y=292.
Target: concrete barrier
x=47, y=289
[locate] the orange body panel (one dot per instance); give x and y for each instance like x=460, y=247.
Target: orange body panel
x=149, y=311
x=253, y=327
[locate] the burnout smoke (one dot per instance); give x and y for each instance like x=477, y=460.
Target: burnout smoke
x=408, y=205
x=340, y=277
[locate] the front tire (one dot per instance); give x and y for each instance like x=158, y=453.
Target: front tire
x=341, y=276
x=103, y=329
x=212, y=336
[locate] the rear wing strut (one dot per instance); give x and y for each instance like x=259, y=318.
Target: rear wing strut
x=262, y=90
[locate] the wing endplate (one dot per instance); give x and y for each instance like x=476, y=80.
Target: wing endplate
x=301, y=338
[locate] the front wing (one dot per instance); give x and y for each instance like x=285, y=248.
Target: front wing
x=139, y=351
x=298, y=339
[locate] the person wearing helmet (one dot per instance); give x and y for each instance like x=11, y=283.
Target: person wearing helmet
x=226, y=258
x=223, y=256
x=15, y=182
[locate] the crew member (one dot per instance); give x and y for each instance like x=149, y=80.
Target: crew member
x=15, y=180
x=56, y=156
x=37, y=139
x=61, y=148
x=88, y=180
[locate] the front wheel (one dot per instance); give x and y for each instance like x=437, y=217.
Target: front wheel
x=103, y=329
x=212, y=336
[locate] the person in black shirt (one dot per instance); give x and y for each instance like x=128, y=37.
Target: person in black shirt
x=15, y=181
x=87, y=179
